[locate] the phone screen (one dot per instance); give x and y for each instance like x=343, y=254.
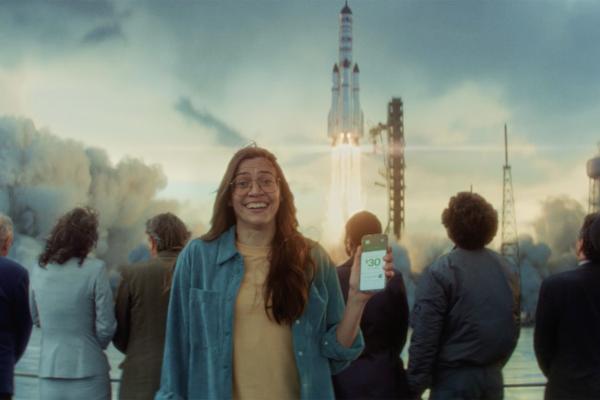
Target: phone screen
x=372, y=276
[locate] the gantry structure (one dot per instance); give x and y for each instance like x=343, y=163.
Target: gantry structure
x=395, y=164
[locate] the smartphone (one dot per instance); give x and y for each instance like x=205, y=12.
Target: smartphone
x=372, y=275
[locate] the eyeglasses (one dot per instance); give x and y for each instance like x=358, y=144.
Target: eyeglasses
x=267, y=184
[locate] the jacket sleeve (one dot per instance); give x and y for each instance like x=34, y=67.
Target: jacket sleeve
x=428, y=315
x=174, y=376
x=105, y=315
x=544, y=338
x=339, y=356
x=123, y=314
x=22, y=316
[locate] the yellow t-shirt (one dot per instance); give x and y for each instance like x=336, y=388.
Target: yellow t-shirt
x=264, y=366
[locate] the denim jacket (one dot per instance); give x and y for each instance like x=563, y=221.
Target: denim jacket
x=198, y=351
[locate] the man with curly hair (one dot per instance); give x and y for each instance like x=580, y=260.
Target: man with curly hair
x=466, y=314
x=567, y=325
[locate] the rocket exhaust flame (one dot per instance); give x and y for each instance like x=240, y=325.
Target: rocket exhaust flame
x=345, y=192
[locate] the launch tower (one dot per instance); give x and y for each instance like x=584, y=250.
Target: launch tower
x=396, y=165
x=394, y=162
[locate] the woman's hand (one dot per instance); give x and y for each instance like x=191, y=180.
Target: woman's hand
x=350, y=323
x=354, y=294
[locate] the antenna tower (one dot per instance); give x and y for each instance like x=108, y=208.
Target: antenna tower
x=510, y=243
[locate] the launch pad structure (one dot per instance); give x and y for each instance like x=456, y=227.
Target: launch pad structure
x=395, y=164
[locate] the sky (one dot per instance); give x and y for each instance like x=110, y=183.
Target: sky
x=183, y=84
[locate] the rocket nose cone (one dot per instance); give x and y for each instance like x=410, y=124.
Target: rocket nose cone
x=346, y=9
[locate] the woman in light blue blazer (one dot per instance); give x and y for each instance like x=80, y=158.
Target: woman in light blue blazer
x=71, y=302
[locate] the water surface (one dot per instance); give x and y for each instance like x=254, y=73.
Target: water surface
x=521, y=369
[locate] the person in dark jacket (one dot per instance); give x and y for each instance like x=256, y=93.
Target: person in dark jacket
x=567, y=326
x=15, y=319
x=378, y=373
x=466, y=314
x=141, y=308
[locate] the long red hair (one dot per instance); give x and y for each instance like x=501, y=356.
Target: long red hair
x=291, y=266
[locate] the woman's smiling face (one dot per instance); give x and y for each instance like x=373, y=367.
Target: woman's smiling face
x=255, y=194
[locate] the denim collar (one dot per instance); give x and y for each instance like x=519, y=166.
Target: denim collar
x=226, y=247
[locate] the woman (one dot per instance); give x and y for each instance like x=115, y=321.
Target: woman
x=72, y=304
x=378, y=373
x=141, y=308
x=256, y=309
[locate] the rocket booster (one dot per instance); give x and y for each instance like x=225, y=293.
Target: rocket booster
x=345, y=122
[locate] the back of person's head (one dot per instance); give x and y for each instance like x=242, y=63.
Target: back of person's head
x=471, y=222
x=74, y=236
x=590, y=237
x=6, y=234
x=168, y=231
x=360, y=224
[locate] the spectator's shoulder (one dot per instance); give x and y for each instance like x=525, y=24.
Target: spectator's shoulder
x=129, y=270
x=199, y=243
x=13, y=268
x=440, y=266
x=319, y=256
x=562, y=279
x=316, y=249
x=198, y=252
x=346, y=266
x=198, y=246
x=95, y=266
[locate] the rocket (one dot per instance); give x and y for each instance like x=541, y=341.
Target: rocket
x=346, y=121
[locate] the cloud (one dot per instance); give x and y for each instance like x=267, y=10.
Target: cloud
x=50, y=29
x=519, y=44
x=226, y=135
x=104, y=33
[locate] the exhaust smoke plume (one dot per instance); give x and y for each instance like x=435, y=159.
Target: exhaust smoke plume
x=558, y=227
x=42, y=176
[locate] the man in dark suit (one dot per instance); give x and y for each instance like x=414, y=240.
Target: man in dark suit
x=378, y=373
x=15, y=319
x=141, y=308
x=567, y=327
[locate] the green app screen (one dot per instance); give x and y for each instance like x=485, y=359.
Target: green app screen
x=372, y=276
